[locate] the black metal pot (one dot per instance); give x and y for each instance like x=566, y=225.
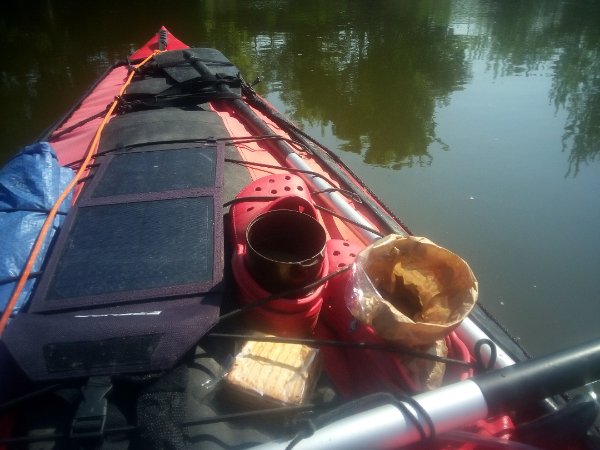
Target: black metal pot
x=285, y=249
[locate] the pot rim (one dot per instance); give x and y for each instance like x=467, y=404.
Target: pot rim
x=287, y=212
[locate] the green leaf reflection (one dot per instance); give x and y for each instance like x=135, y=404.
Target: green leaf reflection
x=374, y=71
x=563, y=38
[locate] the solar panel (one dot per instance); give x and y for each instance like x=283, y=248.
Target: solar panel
x=135, y=276
x=133, y=246
x=140, y=233
x=156, y=171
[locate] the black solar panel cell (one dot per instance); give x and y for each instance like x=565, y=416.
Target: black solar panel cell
x=132, y=246
x=157, y=171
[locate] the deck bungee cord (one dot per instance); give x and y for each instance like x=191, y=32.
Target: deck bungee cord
x=325, y=189
x=320, y=208
x=58, y=134
x=391, y=348
x=290, y=293
x=8, y=280
x=356, y=223
x=229, y=140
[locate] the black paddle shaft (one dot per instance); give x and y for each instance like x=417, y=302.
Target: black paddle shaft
x=199, y=66
x=508, y=388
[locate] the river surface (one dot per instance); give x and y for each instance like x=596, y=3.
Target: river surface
x=477, y=122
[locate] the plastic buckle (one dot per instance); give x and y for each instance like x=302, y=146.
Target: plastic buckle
x=90, y=417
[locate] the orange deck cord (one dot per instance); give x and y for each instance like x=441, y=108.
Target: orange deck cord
x=52, y=214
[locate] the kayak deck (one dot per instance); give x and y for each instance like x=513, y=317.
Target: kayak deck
x=143, y=283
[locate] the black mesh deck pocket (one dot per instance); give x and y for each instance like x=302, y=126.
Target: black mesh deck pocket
x=131, y=338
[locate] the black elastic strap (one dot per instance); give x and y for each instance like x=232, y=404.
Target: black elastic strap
x=252, y=414
x=346, y=192
x=272, y=166
x=36, y=210
x=400, y=401
x=264, y=198
x=73, y=127
x=7, y=280
x=334, y=343
x=307, y=429
x=282, y=295
x=346, y=219
x=90, y=416
x=162, y=39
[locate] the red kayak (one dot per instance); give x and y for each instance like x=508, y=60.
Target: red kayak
x=198, y=272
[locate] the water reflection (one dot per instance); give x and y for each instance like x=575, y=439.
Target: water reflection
x=576, y=84
x=373, y=71
x=560, y=38
x=376, y=71
x=50, y=56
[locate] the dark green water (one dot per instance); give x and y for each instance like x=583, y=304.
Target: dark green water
x=478, y=122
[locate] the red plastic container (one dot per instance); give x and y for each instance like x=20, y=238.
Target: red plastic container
x=281, y=316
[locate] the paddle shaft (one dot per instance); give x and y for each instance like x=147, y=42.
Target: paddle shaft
x=289, y=157
x=459, y=404
x=514, y=386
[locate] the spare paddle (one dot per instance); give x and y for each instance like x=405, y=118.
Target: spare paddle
x=459, y=404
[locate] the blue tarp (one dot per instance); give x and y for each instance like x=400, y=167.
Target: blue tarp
x=30, y=183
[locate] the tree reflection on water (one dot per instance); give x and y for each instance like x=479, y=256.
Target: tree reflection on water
x=522, y=37
x=373, y=71
x=376, y=71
